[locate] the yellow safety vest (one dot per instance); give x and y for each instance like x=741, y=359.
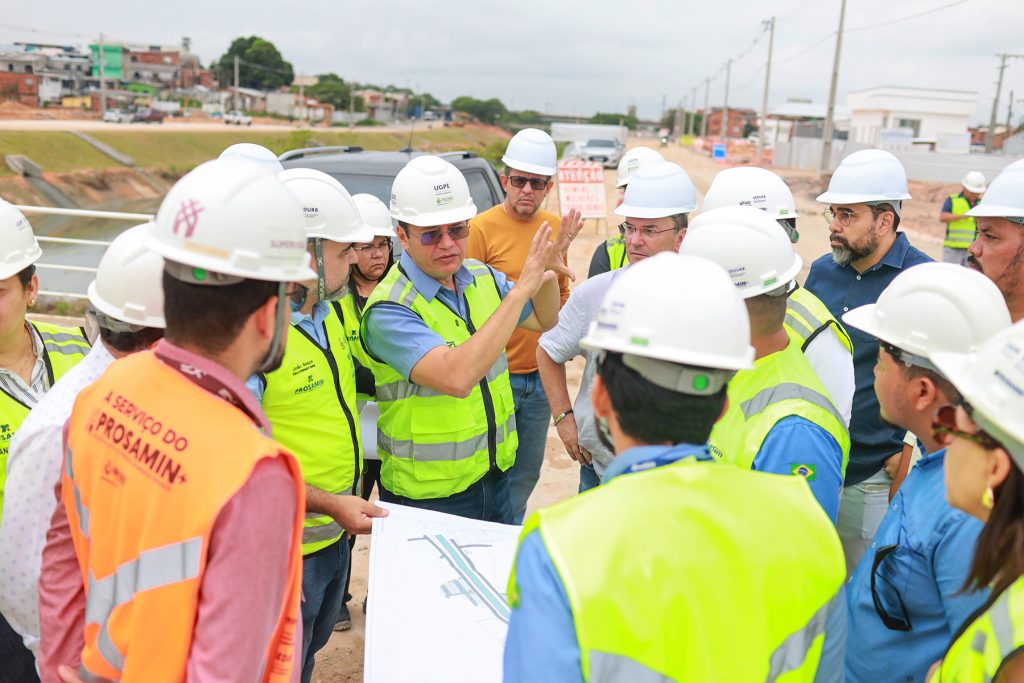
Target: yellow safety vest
x=984, y=645
x=731, y=578
x=778, y=386
x=351, y=317
x=616, y=248
x=807, y=317
x=960, y=233
x=311, y=404
x=63, y=348
x=432, y=445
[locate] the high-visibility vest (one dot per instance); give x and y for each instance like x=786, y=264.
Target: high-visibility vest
x=151, y=461
x=960, y=233
x=984, y=645
x=616, y=248
x=779, y=385
x=807, y=317
x=311, y=404
x=730, y=580
x=432, y=445
x=351, y=316
x=63, y=348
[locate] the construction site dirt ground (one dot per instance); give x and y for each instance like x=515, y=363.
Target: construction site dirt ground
x=342, y=658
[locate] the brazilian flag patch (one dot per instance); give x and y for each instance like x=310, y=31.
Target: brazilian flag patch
x=802, y=470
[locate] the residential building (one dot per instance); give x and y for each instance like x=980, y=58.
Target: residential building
x=933, y=116
x=738, y=121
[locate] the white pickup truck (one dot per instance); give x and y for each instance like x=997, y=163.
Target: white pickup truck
x=237, y=118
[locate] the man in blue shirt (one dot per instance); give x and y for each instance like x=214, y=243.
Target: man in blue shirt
x=906, y=598
x=735, y=572
x=780, y=417
x=864, y=202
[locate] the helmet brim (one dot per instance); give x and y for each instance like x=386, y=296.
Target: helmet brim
x=528, y=168
x=631, y=211
x=830, y=197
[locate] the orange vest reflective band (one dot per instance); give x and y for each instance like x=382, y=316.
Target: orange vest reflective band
x=143, y=483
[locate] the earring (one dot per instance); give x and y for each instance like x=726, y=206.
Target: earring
x=988, y=499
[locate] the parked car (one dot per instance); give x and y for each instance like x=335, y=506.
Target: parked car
x=117, y=116
x=149, y=116
x=373, y=172
x=608, y=152
x=237, y=118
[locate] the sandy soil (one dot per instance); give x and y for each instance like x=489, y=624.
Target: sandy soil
x=342, y=658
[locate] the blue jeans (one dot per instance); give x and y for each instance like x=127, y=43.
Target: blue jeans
x=588, y=477
x=324, y=574
x=487, y=500
x=532, y=418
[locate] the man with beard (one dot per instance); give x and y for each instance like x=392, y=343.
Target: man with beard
x=998, y=250
x=311, y=403
x=864, y=201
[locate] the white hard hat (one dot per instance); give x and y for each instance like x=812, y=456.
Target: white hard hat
x=669, y=311
x=429, y=191
x=633, y=160
x=932, y=308
x=18, y=246
x=1004, y=197
x=328, y=208
x=375, y=213
x=255, y=153
x=990, y=381
x=129, y=281
x=531, y=151
x=657, y=191
x=867, y=177
x=232, y=217
x=751, y=186
x=974, y=182
x=749, y=244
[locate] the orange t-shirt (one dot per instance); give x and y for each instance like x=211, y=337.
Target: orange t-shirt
x=503, y=242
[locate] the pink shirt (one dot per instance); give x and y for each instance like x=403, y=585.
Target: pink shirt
x=242, y=588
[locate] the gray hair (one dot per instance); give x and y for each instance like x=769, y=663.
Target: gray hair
x=679, y=221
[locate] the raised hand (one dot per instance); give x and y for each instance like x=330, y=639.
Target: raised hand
x=536, y=270
x=558, y=260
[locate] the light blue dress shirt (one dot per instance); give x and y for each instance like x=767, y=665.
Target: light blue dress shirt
x=312, y=324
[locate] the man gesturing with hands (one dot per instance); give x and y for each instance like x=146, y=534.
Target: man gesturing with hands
x=437, y=327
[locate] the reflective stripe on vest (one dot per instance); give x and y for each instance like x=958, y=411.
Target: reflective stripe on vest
x=981, y=649
x=960, y=233
x=693, y=576
x=310, y=401
x=616, y=250
x=63, y=348
x=433, y=445
x=780, y=385
x=807, y=317
x=141, y=537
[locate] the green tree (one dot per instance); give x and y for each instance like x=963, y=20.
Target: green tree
x=424, y=101
x=332, y=89
x=615, y=120
x=261, y=65
x=488, y=111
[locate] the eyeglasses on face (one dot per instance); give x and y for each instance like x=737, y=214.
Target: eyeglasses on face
x=841, y=216
x=944, y=429
x=647, y=232
x=537, y=184
x=382, y=245
x=429, y=238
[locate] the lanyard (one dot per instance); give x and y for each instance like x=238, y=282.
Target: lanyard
x=209, y=383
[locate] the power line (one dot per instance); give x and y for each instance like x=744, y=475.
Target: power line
x=806, y=49
x=801, y=6
x=908, y=17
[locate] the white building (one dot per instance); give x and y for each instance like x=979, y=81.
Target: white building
x=930, y=116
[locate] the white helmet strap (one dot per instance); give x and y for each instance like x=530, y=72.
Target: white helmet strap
x=269, y=362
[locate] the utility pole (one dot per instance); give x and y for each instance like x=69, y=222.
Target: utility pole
x=663, y=99
x=725, y=105
x=763, y=133
x=677, y=123
x=302, y=97
x=235, y=99
x=1009, y=117
x=693, y=113
x=829, y=127
x=103, y=88
x=704, y=114
x=990, y=138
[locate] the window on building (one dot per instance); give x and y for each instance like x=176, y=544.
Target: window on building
x=913, y=124
x=28, y=68
x=10, y=67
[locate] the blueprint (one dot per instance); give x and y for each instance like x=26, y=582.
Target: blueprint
x=437, y=609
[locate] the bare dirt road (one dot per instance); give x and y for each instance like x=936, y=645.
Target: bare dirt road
x=342, y=658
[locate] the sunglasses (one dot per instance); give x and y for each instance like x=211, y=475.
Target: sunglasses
x=429, y=238
x=893, y=622
x=537, y=184
x=944, y=429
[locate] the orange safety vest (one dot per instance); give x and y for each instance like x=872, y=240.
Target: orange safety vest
x=143, y=482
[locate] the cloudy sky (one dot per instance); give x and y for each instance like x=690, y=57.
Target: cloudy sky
x=581, y=57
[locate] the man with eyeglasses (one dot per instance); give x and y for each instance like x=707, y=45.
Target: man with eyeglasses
x=906, y=599
x=655, y=208
x=501, y=237
x=435, y=330
x=864, y=200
